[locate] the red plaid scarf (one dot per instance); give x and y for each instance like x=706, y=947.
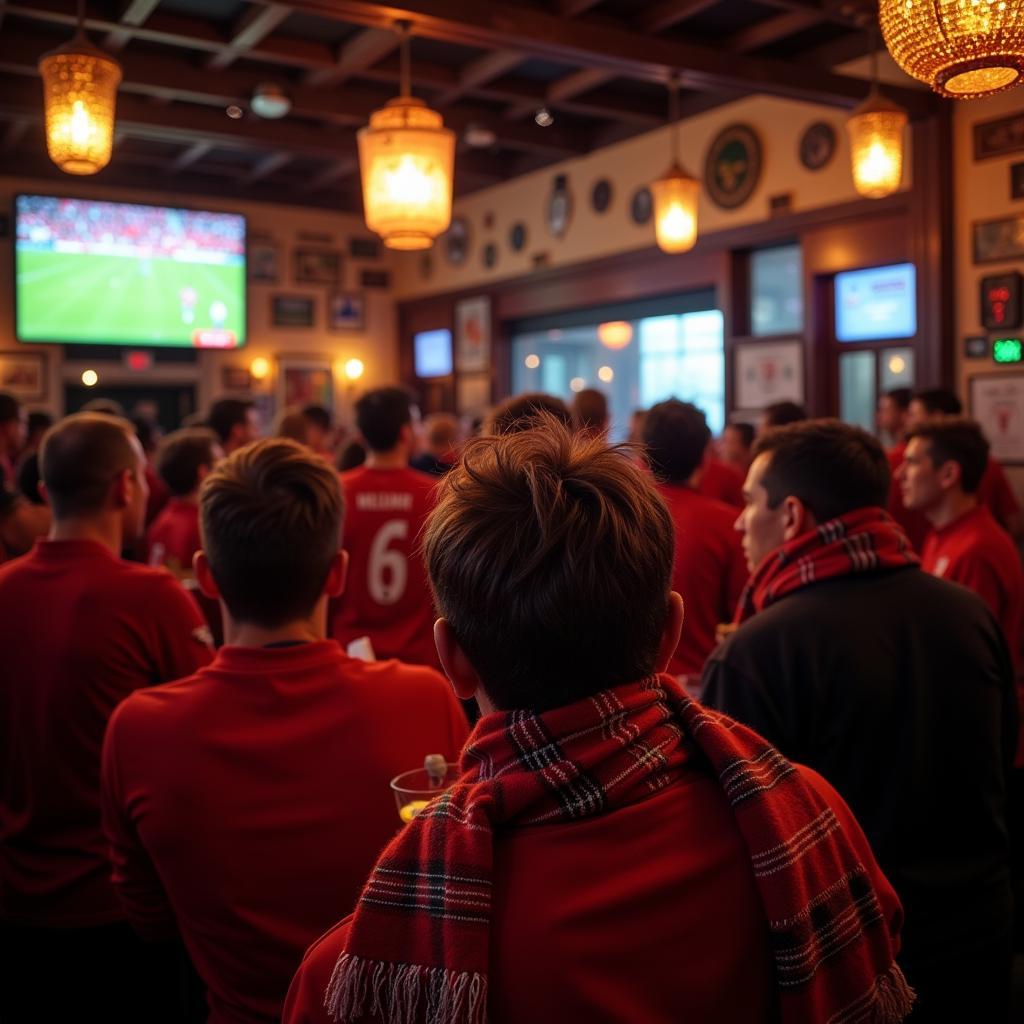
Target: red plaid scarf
x=864, y=540
x=418, y=945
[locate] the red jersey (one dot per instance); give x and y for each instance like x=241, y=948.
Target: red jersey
x=722, y=482
x=995, y=492
x=709, y=571
x=80, y=630
x=387, y=597
x=664, y=925
x=246, y=805
x=158, y=494
x=977, y=553
x=173, y=537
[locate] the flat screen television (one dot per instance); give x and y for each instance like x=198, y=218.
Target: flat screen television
x=433, y=353
x=877, y=304
x=101, y=273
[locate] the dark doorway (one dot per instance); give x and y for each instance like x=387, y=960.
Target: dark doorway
x=173, y=401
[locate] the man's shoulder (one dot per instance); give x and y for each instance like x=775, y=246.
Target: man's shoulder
x=398, y=677
x=158, y=706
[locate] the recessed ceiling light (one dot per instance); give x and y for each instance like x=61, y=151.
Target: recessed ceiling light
x=234, y=111
x=544, y=117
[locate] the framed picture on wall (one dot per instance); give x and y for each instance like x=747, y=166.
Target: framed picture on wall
x=317, y=266
x=304, y=380
x=473, y=335
x=264, y=262
x=291, y=311
x=473, y=394
x=997, y=403
x=998, y=240
x=999, y=137
x=235, y=378
x=767, y=372
x=346, y=311
x=23, y=375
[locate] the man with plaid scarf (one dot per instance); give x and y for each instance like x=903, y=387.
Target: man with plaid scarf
x=612, y=851
x=895, y=685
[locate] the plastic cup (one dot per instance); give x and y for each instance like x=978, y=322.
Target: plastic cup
x=414, y=790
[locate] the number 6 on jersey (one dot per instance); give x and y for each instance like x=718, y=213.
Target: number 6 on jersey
x=387, y=570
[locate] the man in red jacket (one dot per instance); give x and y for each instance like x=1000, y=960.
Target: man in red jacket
x=709, y=569
x=613, y=851
x=387, y=598
x=80, y=630
x=245, y=804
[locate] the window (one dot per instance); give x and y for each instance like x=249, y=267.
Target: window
x=776, y=291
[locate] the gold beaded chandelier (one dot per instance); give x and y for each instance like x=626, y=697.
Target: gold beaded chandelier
x=79, y=94
x=961, y=48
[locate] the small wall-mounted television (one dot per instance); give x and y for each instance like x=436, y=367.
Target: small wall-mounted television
x=102, y=273
x=877, y=304
x=432, y=351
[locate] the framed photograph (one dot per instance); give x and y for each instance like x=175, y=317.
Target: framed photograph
x=235, y=378
x=304, y=380
x=1017, y=181
x=23, y=375
x=292, y=311
x=317, y=266
x=473, y=335
x=999, y=137
x=364, y=248
x=996, y=240
x=375, y=279
x=346, y=311
x=767, y=372
x=264, y=262
x=473, y=394
x=997, y=403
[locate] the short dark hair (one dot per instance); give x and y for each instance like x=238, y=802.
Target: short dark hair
x=590, y=410
x=956, y=439
x=899, y=396
x=180, y=457
x=832, y=467
x=146, y=431
x=318, y=416
x=550, y=555
x=81, y=457
x=10, y=407
x=676, y=435
x=778, y=414
x=226, y=413
x=380, y=416
x=39, y=422
x=745, y=430
x=522, y=412
x=271, y=517
x=938, y=401
x=28, y=479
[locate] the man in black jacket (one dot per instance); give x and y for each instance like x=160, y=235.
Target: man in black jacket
x=895, y=685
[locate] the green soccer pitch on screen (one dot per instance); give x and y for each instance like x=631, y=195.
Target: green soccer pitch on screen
x=100, y=273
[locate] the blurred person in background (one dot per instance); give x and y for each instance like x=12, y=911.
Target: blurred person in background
x=320, y=432
x=779, y=414
x=891, y=416
x=590, y=413
x=441, y=445
x=235, y=421
x=13, y=432
x=734, y=446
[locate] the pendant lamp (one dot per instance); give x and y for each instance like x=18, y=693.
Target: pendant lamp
x=875, y=130
x=406, y=160
x=79, y=93
x=675, y=193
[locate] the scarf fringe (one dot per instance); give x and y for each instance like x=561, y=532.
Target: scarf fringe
x=393, y=992
x=888, y=1001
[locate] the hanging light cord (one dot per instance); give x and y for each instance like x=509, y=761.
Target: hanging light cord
x=673, y=114
x=404, y=73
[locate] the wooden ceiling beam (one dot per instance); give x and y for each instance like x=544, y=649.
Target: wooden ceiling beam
x=251, y=28
x=479, y=72
x=619, y=51
x=266, y=167
x=354, y=56
x=563, y=89
x=188, y=157
x=133, y=13
x=661, y=16
x=771, y=30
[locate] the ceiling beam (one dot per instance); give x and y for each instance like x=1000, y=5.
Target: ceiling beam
x=355, y=55
x=480, y=71
x=133, y=13
x=771, y=30
x=620, y=51
x=661, y=16
x=566, y=88
x=267, y=166
x=251, y=28
x=188, y=157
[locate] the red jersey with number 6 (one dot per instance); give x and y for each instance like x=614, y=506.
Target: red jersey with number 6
x=387, y=597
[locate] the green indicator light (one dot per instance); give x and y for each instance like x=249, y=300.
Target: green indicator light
x=1007, y=350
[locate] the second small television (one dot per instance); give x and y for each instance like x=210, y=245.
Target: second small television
x=877, y=304
x=432, y=353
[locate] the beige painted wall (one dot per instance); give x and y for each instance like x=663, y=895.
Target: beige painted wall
x=376, y=346
x=628, y=166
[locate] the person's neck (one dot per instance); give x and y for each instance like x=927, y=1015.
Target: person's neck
x=954, y=505
x=694, y=479
x=105, y=530
x=188, y=499
x=397, y=458
x=299, y=631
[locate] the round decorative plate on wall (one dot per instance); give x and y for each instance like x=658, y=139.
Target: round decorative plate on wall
x=456, y=242
x=817, y=145
x=559, y=211
x=601, y=195
x=517, y=236
x=732, y=168
x=642, y=206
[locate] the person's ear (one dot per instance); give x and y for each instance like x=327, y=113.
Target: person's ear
x=671, y=633
x=949, y=474
x=457, y=668
x=336, y=575
x=796, y=518
x=204, y=577
x=121, y=489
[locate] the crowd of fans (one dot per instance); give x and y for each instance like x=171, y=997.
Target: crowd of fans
x=745, y=730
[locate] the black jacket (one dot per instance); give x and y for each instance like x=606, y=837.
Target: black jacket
x=898, y=688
